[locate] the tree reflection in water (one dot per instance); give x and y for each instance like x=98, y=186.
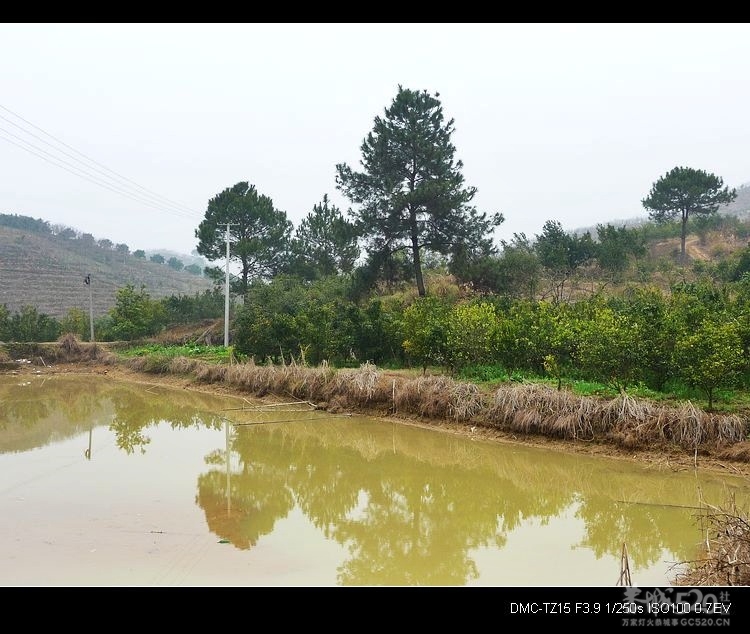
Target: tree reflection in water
x=408, y=506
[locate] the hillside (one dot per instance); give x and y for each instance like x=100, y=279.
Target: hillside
x=47, y=271
x=44, y=267
x=740, y=206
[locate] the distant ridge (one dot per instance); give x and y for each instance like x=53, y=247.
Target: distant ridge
x=45, y=268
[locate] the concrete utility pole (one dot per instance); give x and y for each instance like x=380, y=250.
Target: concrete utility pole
x=87, y=281
x=226, y=298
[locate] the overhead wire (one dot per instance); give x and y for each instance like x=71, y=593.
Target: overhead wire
x=118, y=184
x=75, y=171
x=145, y=189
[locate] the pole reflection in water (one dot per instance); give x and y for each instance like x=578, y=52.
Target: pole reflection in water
x=87, y=453
x=229, y=487
x=314, y=499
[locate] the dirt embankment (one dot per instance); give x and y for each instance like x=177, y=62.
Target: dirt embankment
x=663, y=457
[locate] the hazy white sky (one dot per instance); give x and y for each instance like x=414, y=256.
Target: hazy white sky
x=126, y=131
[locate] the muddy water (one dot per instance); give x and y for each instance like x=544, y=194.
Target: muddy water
x=107, y=483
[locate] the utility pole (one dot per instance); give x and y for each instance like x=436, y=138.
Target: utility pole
x=87, y=282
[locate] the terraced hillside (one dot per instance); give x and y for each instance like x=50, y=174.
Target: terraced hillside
x=47, y=272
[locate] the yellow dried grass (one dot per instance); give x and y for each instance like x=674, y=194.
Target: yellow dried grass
x=725, y=559
x=182, y=365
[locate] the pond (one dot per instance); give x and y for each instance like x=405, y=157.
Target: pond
x=114, y=483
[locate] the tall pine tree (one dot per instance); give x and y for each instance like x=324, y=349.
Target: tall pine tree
x=411, y=192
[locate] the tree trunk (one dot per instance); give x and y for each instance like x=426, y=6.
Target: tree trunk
x=683, y=234
x=417, y=262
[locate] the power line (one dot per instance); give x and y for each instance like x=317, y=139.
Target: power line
x=178, y=208
x=155, y=197
x=179, y=205
x=76, y=171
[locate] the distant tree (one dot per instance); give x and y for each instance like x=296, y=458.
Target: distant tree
x=157, y=258
x=87, y=239
x=684, y=192
x=514, y=272
x=175, y=264
x=26, y=223
x=140, y=254
x=184, y=309
x=259, y=234
x=702, y=225
x=615, y=246
x=76, y=322
x=31, y=325
x=194, y=269
x=738, y=265
x=104, y=243
x=325, y=243
x=122, y=248
x=411, y=191
x=135, y=314
x=4, y=323
x=218, y=277
x=561, y=253
x=66, y=233
x=391, y=268
x=520, y=267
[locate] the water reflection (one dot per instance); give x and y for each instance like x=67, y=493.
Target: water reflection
x=405, y=506
x=37, y=412
x=411, y=513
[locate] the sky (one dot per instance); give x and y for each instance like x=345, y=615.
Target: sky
x=127, y=130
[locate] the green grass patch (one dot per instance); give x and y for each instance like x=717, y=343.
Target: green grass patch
x=483, y=373
x=214, y=354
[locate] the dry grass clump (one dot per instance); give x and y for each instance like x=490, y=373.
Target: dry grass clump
x=182, y=365
x=431, y=397
x=632, y=422
x=150, y=364
x=70, y=349
x=210, y=372
x=105, y=356
x=423, y=396
x=540, y=409
x=628, y=421
x=292, y=379
x=726, y=550
x=438, y=397
x=363, y=387
x=466, y=401
x=641, y=424
x=694, y=427
x=364, y=381
x=69, y=346
x=308, y=383
x=249, y=377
